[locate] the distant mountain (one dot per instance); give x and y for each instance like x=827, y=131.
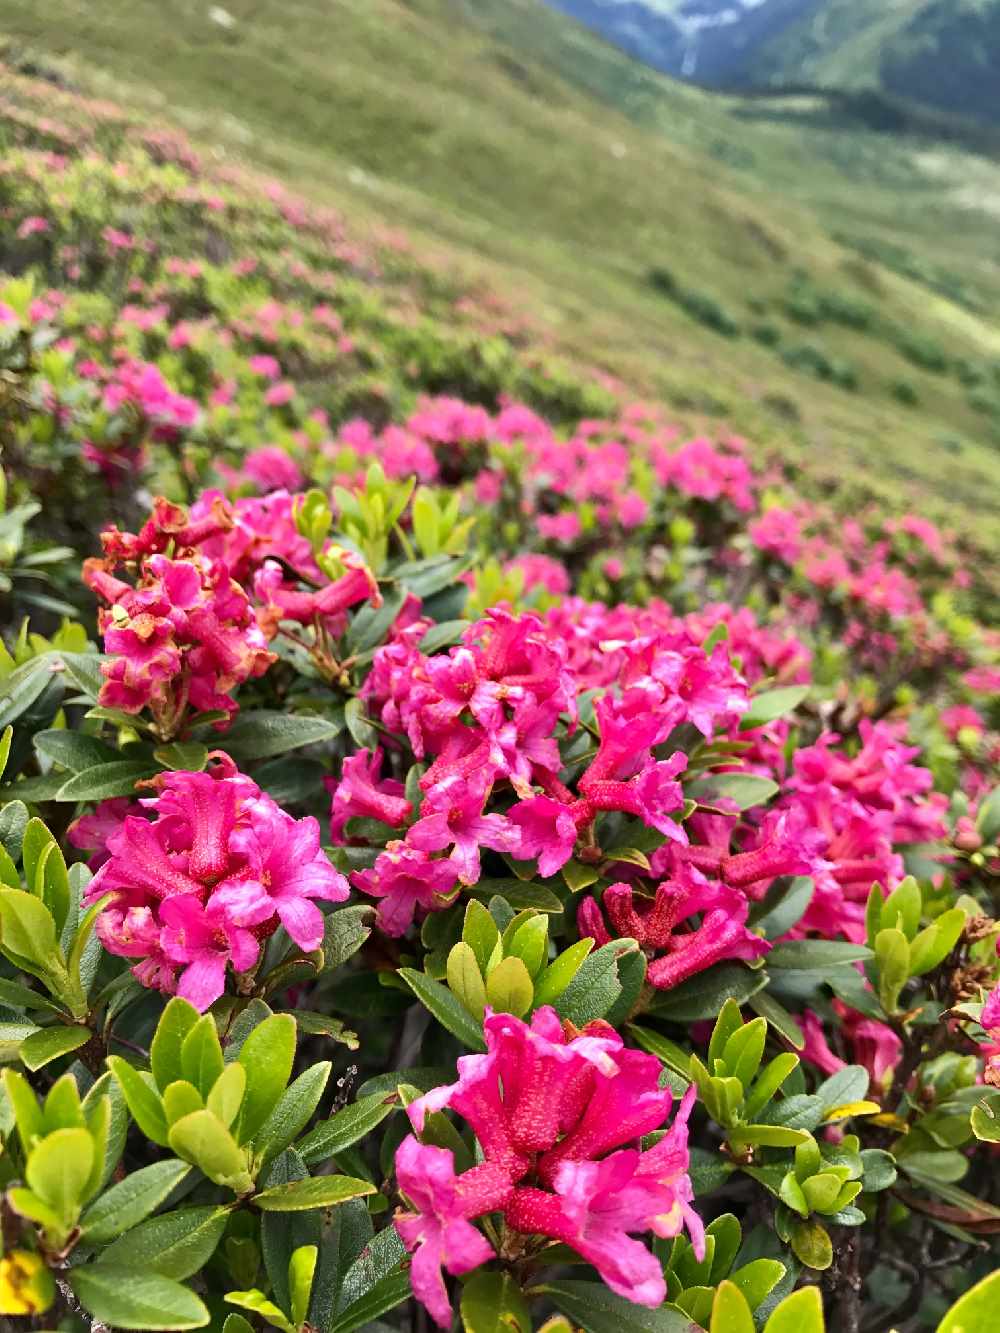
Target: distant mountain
x=706, y=41
x=945, y=53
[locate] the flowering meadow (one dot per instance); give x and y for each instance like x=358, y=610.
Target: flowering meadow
x=474, y=853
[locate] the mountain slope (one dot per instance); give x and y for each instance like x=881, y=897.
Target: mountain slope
x=945, y=53
x=702, y=250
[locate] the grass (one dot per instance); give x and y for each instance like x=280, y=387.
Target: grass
x=456, y=119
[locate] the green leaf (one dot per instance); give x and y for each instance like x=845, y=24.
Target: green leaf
x=772, y=704
x=205, y=1142
x=479, y=932
x=315, y=1192
x=176, y=1021
x=74, y=750
x=801, y=1312
x=757, y=1279
x=811, y=1244
x=385, y=1295
x=49, y=1044
x=730, y=1312
x=778, y=1017
x=879, y=1169
x=449, y=1012
x=182, y=756
x=561, y=971
x=703, y=995
x=28, y=935
x=933, y=945
x=519, y=895
x=235, y=1323
x=672, y=1055
x=728, y=1023
x=892, y=961
x=596, y=986
x=106, y=780
x=783, y=906
x=744, y=1050
x=259, y=1304
x=465, y=979
x=176, y=1245
x=301, y=1271
x=903, y=907
x=743, y=790
x=347, y=1127
x=530, y=944
x=579, y=876
x=23, y=687
x=201, y=1055
x=767, y=1136
x=985, y=1120
x=975, y=1311
x=226, y=1095
x=267, y=1056
x=5, y=740
x=180, y=1099
x=849, y=1084
x=988, y=818
x=508, y=987
x=293, y=1111
x=59, y=1168
x=344, y=933
x=598, y=1310
x=262, y=735
x=130, y=1298
x=493, y=1303
x=129, y=1202
x=13, y=822
x=816, y=955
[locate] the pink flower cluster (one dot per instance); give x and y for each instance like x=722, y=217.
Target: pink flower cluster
x=489, y=714
x=862, y=806
x=557, y=1114
x=210, y=870
x=184, y=635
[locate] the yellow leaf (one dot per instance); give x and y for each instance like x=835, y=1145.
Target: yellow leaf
x=851, y=1108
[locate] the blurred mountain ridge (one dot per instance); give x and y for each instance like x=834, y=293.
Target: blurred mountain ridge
x=944, y=53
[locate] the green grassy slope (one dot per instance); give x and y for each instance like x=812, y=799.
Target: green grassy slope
x=455, y=119
x=943, y=52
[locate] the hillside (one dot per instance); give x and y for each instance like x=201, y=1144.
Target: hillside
x=944, y=53
x=711, y=252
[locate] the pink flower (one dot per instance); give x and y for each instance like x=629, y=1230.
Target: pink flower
x=90, y=833
x=437, y=1232
x=559, y=527
x=279, y=394
x=452, y=816
x=721, y=933
x=203, y=939
x=405, y=880
x=32, y=226
x=271, y=469
x=215, y=859
x=553, y=1112
x=548, y=831
x=361, y=794
x=817, y=1050
x=285, y=870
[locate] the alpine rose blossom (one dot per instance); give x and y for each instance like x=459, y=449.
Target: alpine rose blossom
x=211, y=866
x=558, y=1114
